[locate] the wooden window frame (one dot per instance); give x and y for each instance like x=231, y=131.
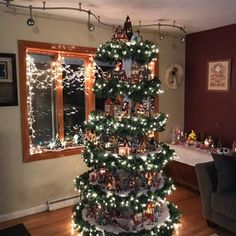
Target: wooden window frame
x=53, y=49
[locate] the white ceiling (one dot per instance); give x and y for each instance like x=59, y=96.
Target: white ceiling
x=194, y=15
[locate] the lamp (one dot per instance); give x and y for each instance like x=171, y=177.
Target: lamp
x=30, y=21
x=91, y=27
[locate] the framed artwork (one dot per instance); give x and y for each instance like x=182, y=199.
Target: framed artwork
x=218, y=77
x=8, y=85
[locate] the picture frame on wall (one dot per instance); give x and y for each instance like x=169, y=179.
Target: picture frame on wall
x=218, y=75
x=8, y=83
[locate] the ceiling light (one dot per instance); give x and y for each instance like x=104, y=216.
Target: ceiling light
x=30, y=21
x=91, y=27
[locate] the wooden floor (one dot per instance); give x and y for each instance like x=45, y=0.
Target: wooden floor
x=58, y=223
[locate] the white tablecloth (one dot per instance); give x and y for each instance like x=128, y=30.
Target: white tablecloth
x=191, y=156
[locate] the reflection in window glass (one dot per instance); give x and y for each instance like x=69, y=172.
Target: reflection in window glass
x=56, y=102
x=43, y=111
x=73, y=99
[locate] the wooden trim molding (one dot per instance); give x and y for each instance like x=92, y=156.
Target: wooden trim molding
x=66, y=50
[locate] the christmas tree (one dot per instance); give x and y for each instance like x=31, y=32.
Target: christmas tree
x=124, y=191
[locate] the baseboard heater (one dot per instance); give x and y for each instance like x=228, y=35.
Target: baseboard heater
x=63, y=202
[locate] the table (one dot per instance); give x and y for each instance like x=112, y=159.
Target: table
x=182, y=170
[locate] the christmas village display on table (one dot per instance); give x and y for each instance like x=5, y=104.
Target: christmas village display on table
x=206, y=143
x=124, y=192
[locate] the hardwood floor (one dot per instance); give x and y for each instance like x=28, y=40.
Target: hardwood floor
x=58, y=223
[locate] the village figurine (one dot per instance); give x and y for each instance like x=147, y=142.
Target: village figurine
x=126, y=107
x=120, y=34
x=138, y=218
x=107, y=75
x=146, y=107
x=151, y=146
x=143, y=180
x=149, y=213
x=108, y=105
x=149, y=177
x=192, y=137
x=142, y=145
x=119, y=73
x=144, y=73
x=124, y=147
x=117, y=108
x=134, y=73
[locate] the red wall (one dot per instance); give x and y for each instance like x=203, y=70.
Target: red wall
x=211, y=113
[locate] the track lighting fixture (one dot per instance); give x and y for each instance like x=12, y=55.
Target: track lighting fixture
x=182, y=35
x=30, y=21
x=182, y=40
x=91, y=27
x=8, y=2
x=161, y=36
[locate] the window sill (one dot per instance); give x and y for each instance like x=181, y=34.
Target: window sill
x=53, y=154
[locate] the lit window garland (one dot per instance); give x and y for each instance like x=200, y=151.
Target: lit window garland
x=50, y=76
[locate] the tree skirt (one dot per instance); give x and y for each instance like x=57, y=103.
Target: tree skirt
x=127, y=225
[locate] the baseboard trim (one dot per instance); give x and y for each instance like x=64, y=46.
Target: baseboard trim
x=63, y=202
x=25, y=212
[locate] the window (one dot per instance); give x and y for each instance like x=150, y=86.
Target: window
x=56, y=97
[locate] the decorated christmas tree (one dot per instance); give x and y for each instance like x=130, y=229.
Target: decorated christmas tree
x=124, y=191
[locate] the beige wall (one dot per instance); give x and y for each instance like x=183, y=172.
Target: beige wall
x=25, y=185
x=171, y=101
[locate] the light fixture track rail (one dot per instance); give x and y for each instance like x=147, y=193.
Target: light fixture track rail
x=91, y=27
